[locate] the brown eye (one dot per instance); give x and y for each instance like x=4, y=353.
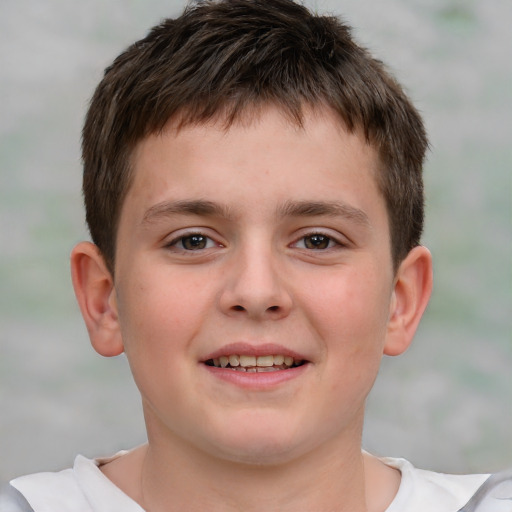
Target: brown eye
x=317, y=242
x=194, y=242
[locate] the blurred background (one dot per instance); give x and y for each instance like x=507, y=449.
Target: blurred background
x=446, y=404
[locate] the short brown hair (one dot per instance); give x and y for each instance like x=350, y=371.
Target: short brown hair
x=225, y=57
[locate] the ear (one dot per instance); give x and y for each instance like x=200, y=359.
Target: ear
x=411, y=293
x=96, y=295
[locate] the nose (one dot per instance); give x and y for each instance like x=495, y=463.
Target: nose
x=254, y=287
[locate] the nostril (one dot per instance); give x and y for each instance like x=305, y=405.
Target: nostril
x=273, y=308
x=238, y=308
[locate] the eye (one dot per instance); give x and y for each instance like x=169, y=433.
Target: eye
x=193, y=242
x=316, y=241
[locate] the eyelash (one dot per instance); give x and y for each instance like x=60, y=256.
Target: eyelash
x=321, y=238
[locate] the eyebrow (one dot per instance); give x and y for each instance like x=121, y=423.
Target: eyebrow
x=185, y=207
x=206, y=208
x=324, y=208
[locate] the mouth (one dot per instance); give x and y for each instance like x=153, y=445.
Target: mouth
x=255, y=364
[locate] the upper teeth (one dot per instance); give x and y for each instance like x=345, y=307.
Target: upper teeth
x=260, y=361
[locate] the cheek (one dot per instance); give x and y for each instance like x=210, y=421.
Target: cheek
x=163, y=299
x=158, y=318
x=156, y=328
x=352, y=311
x=350, y=319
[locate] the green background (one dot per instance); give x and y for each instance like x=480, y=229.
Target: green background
x=446, y=404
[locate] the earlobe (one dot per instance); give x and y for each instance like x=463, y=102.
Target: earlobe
x=95, y=293
x=411, y=293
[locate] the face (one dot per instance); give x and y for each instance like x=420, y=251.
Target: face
x=254, y=285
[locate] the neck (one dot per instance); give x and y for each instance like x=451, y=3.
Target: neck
x=170, y=475
x=201, y=482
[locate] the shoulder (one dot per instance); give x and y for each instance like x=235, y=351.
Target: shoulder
x=11, y=500
x=83, y=488
x=51, y=491
x=494, y=495
x=428, y=491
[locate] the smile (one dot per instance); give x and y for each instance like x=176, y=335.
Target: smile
x=255, y=364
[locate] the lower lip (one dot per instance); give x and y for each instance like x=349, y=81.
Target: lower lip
x=256, y=380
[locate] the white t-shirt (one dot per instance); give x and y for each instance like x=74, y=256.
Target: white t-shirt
x=84, y=488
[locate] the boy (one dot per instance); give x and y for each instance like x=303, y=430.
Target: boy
x=252, y=181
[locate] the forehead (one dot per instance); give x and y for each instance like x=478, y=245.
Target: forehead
x=263, y=150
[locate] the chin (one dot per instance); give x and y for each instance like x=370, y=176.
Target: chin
x=257, y=447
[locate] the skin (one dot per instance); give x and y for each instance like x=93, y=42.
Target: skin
x=260, y=195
